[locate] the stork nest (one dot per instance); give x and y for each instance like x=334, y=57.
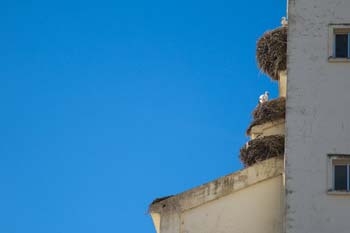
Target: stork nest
x=261, y=149
x=271, y=52
x=269, y=111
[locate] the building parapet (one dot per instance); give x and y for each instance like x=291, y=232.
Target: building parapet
x=220, y=187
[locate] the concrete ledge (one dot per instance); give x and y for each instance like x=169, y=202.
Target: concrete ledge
x=338, y=60
x=338, y=193
x=221, y=187
x=276, y=127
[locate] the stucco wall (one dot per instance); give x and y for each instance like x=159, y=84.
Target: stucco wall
x=256, y=209
x=282, y=83
x=247, y=201
x=317, y=117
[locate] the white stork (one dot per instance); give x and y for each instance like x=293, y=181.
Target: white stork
x=264, y=97
x=284, y=22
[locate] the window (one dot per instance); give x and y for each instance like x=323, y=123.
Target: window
x=339, y=38
x=341, y=177
x=341, y=46
x=340, y=173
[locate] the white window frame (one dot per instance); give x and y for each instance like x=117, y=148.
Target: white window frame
x=335, y=29
x=334, y=160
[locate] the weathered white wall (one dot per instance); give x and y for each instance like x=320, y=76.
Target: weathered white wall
x=282, y=83
x=247, y=201
x=317, y=119
x=256, y=209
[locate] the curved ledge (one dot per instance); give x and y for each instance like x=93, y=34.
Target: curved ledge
x=276, y=127
x=270, y=111
x=271, y=52
x=260, y=149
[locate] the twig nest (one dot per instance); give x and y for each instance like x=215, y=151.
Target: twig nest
x=271, y=52
x=267, y=112
x=261, y=149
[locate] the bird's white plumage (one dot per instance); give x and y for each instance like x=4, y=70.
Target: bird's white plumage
x=264, y=97
x=284, y=22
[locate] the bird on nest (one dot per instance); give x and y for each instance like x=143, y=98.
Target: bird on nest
x=264, y=97
x=284, y=22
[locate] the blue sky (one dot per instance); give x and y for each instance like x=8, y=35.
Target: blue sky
x=106, y=105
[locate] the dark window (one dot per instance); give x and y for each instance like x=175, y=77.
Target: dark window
x=341, y=45
x=341, y=177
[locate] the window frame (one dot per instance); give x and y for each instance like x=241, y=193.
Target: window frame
x=336, y=160
x=338, y=29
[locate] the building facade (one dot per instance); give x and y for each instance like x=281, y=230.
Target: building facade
x=317, y=117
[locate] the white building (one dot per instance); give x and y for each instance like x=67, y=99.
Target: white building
x=309, y=190
x=318, y=113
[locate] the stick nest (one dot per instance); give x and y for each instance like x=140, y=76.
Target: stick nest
x=271, y=52
x=261, y=149
x=267, y=112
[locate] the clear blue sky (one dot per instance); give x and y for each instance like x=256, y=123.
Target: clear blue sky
x=106, y=105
